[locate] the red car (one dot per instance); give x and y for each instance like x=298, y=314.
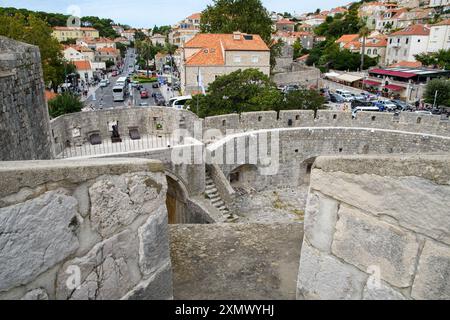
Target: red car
x=144, y=94
x=115, y=73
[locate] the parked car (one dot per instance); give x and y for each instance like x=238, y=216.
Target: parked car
x=368, y=96
x=401, y=105
x=104, y=83
x=358, y=96
x=336, y=98
x=144, y=94
x=387, y=105
x=159, y=99
x=155, y=85
x=347, y=97
x=291, y=87
x=361, y=103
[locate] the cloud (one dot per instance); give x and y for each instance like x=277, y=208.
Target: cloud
x=147, y=13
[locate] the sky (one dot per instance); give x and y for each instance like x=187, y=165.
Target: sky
x=147, y=13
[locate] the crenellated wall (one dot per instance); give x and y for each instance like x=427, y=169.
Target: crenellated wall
x=377, y=228
x=144, y=119
x=84, y=229
x=405, y=121
x=291, y=151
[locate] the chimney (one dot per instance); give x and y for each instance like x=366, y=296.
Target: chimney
x=236, y=35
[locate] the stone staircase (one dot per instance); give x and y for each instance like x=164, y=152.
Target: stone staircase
x=213, y=195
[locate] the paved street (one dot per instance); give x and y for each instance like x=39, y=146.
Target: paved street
x=102, y=98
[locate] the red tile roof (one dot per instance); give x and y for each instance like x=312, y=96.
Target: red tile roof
x=212, y=45
x=82, y=65
x=347, y=38
x=195, y=16
x=407, y=64
x=285, y=21
x=376, y=42
x=414, y=30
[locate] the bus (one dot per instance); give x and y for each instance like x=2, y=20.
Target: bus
x=121, y=81
x=119, y=92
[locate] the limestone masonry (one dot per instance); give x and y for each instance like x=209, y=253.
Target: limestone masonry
x=261, y=205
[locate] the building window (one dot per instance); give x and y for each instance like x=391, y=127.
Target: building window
x=255, y=59
x=375, y=51
x=369, y=51
x=390, y=41
x=407, y=40
x=418, y=40
x=237, y=59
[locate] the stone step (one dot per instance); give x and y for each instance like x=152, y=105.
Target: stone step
x=211, y=191
x=212, y=195
x=222, y=208
x=220, y=204
x=216, y=200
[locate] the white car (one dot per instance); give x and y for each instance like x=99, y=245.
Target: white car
x=347, y=97
x=104, y=83
x=424, y=112
x=388, y=105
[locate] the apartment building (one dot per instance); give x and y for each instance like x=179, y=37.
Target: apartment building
x=405, y=44
x=66, y=33
x=214, y=55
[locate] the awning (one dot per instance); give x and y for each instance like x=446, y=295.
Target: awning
x=331, y=75
x=400, y=74
x=371, y=83
x=349, y=78
x=393, y=87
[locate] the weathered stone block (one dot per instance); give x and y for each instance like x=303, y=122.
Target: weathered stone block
x=107, y=272
x=37, y=294
x=116, y=201
x=405, y=199
x=432, y=281
x=154, y=249
x=323, y=277
x=34, y=236
x=320, y=221
x=367, y=242
x=157, y=287
x=381, y=291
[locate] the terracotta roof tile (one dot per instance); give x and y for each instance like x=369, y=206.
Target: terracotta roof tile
x=406, y=64
x=195, y=16
x=211, y=46
x=347, y=38
x=285, y=21
x=414, y=30
x=82, y=65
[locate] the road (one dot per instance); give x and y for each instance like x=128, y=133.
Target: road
x=103, y=97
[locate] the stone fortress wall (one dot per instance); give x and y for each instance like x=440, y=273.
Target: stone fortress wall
x=374, y=211
x=103, y=222
x=24, y=120
x=376, y=232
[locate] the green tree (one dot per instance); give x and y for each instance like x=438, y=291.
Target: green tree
x=37, y=32
x=439, y=59
x=363, y=33
x=147, y=51
x=298, y=49
x=63, y=104
x=442, y=88
x=248, y=16
x=304, y=100
x=237, y=92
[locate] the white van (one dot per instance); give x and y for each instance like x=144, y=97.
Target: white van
x=358, y=109
x=179, y=102
x=342, y=92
